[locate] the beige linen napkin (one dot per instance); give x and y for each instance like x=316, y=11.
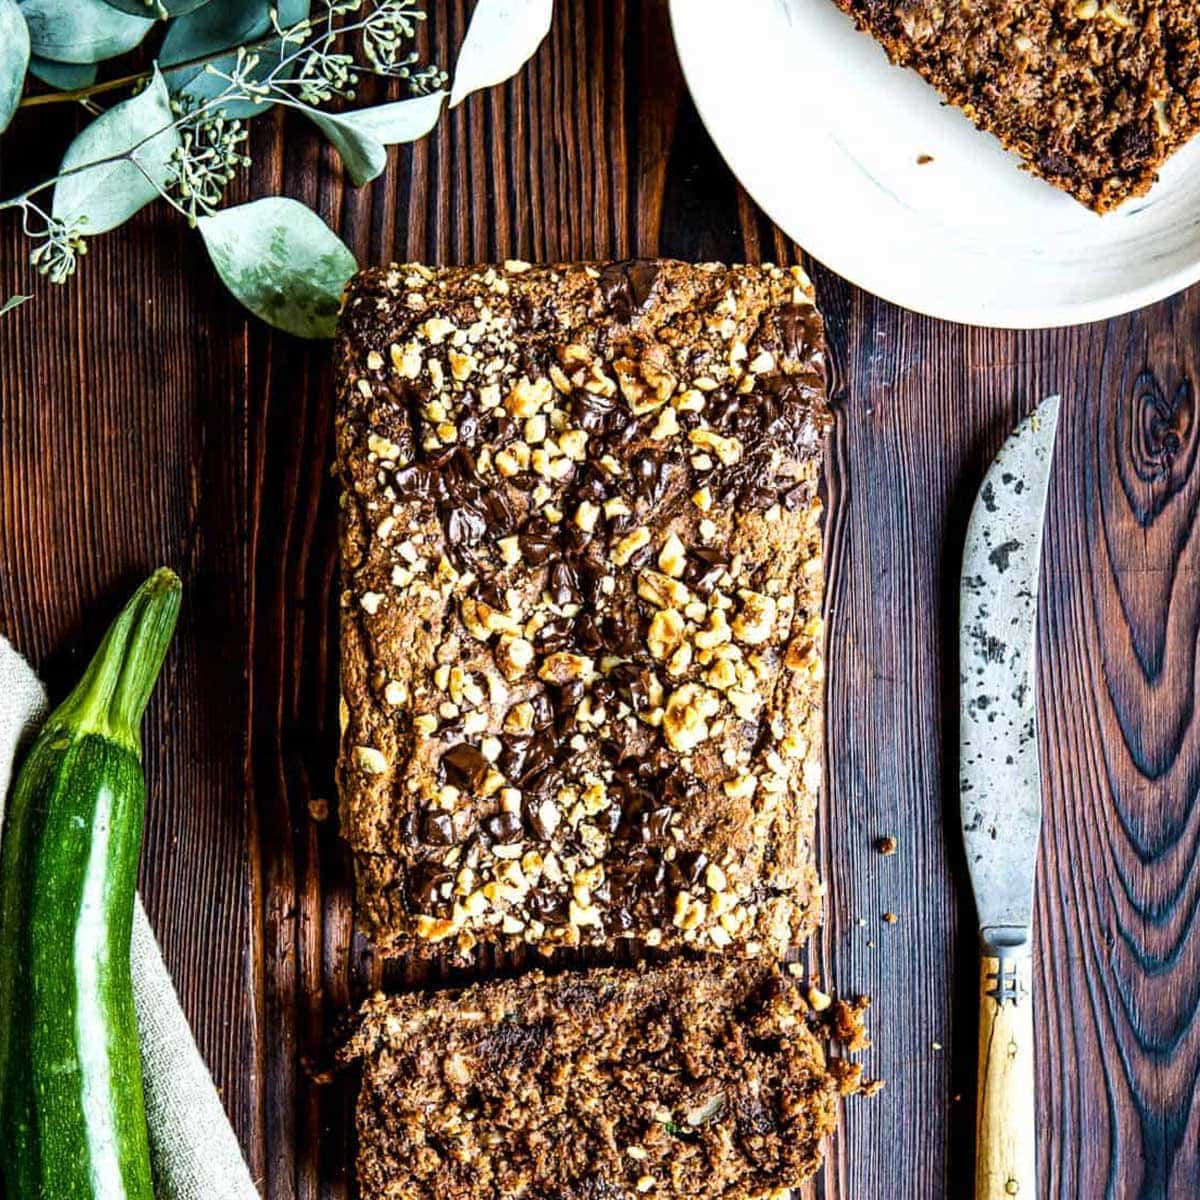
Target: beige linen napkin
x=194, y=1151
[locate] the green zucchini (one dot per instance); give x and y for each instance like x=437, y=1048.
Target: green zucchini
x=72, y=1113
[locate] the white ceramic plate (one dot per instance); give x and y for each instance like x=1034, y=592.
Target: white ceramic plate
x=828, y=137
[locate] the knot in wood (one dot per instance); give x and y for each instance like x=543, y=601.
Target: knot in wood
x=1157, y=424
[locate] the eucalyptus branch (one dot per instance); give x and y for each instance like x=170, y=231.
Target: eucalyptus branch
x=128, y=81
x=185, y=143
x=239, y=88
x=330, y=33
x=61, y=242
x=22, y=200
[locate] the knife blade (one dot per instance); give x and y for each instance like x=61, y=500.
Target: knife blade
x=1000, y=788
x=1000, y=778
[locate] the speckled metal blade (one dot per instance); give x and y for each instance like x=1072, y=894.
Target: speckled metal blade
x=1000, y=779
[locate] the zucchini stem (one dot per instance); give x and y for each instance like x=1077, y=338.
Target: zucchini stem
x=112, y=695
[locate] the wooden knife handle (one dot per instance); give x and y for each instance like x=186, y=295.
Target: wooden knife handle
x=1005, y=1128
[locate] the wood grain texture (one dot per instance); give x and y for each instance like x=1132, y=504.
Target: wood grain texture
x=144, y=417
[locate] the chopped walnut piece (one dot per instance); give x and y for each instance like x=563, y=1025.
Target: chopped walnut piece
x=666, y=633
x=754, y=623
x=629, y=545
x=371, y=760
x=513, y=656
x=685, y=721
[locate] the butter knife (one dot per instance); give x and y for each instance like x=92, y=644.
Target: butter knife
x=1001, y=793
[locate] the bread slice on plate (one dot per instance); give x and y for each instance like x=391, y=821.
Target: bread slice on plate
x=581, y=619
x=1095, y=95
x=690, y=1080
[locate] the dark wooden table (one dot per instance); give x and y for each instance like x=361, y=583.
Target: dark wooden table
x=145, y=418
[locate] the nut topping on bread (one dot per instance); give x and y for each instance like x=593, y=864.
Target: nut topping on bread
x=581, y=656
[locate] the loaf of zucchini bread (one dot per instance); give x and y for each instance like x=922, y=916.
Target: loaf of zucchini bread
x=1093, y=94
x=690, y=1080
x=581, y=618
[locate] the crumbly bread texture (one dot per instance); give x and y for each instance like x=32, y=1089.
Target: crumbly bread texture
x=690, y=1080
x=1094, y=94
x=581, y=618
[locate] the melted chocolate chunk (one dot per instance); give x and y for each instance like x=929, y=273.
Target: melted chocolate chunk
x=414, y=482
x=503, y=827
x=608, y=820
x=437, y=828
x=563, y=584
x=793, y=329
x=548, y=907
x=531, y=810
x=489, y=592
x=424, y=887
x=651, y=470
x=524, y=756
x=587, y=635
x=538, y=541
x=691, y=866
x=632, y=684
x=464, y=766
x=554, y=635
x=408, y=828
x=592, y=484
x=464, y=527
x=593, y=414
x=543, y=711
x=703, y=568
x=627, y=286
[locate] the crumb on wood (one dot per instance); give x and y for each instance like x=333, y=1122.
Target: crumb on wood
x=886, y=845
x=848, y=1022
x=818, y=1000
x=847, y=1075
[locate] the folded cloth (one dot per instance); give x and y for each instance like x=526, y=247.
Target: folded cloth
x=194, y=1151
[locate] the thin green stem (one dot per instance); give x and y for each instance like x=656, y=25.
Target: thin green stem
x=113, y=85
x=163, y=193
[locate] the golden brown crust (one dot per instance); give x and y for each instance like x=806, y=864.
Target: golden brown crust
x=690, y=1080
x=1094, y=94
x=581, y=628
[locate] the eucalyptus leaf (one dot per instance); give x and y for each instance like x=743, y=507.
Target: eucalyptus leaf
x=282, y=262
x=13, y=302
x=66, y=77
x=225, y=25
x=363, y=155
x=399, y=121
x=161, y=8
x=14, y=59
x=501, y=39
x=361, y=134
x=114, y=189
x=81, y=31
